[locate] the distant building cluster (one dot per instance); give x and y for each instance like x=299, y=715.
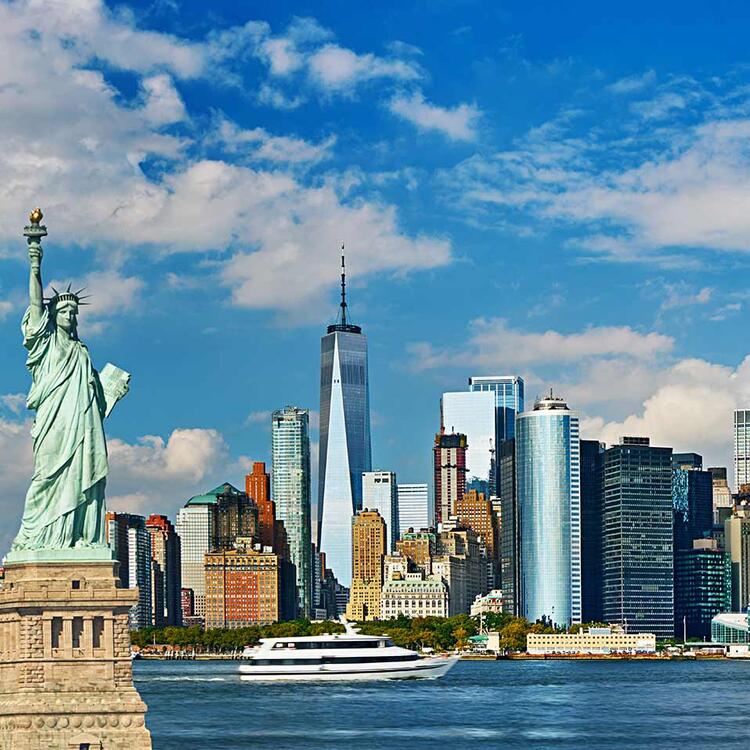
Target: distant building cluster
x=522, y=517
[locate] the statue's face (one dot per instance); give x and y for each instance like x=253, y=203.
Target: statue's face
x=66, y=317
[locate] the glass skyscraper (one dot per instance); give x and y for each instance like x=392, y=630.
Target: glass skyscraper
x=379, y=492
x=344, y=438
x=637, y=537
x=549, y=512
x=473, y=414
x=290, y=490
x=509, y=400
x=413, y=507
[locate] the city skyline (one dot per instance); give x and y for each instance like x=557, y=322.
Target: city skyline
x=401, y=134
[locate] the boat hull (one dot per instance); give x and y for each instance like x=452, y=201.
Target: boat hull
x=426, y=669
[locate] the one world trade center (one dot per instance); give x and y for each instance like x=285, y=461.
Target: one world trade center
x=344, y=437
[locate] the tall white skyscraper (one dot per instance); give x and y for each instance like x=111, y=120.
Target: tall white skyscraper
x=509, y=400
x=549, y=507
x=741, y=447
x=290, y=490
x=379, y=492
x=344, y=437
x=413, y=507
x=195, y=527
x=472, y=413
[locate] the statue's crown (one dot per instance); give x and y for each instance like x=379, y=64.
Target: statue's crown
x=67, y=296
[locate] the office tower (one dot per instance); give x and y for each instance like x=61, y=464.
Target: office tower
x=741, y=448
x=195, y=526
x=472, y=413
x=344, y=436
x=548, y=485
x=379, y=492
x=688, y=461
x=474, y=511
x=131, y=545
x=236, y=516
x=703, y=588
x=413, y=507
x=368, y=549
x=459, y=561
x=692, y=498
x=509, y=401
x=737, y=539
x=414, y=595
x=722, y=495
x=165, y=552
x=449, y=461
x=290, y=489
x=509, y=532
x=258, y=489
x=637, y=542
x=187, y=602
x=242, y=586
x=592, y=455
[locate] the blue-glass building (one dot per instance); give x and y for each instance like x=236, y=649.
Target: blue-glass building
x=549, y=512
x=344, y=438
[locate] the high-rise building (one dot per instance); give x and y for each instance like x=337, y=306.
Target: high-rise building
x=242, y=586
x=692, y=498
x=165, y=553
x=741, y=448
x=345, y=451
x=380, y=492
x=236, y=515
x=548, y=484
x=637, y=541
x=258, y=489
x=290, y=489
x=509, y=402
x=449, y=461
x=195, y=525
x=131, y=544
x=459, y=561
x=737, y=537
x=418, y=547
x=722, y=495
x=368, y=550
x=413, y=507
x=474, y=511
x=509, y=531
x=703, y=587
x=592, y=455
x=472, y=413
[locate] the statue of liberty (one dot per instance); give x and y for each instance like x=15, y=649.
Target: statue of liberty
x=64, y=507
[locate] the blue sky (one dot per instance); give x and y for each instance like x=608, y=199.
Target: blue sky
x=558, y=192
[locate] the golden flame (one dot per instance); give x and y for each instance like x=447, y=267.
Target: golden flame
x=36, y=216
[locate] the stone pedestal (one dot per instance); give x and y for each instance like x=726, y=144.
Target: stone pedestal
x=65, y=669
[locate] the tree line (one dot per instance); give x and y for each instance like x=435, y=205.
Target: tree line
x=438, y=633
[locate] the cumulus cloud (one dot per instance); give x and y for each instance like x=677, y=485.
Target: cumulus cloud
x=457, y=123
x=493, y=344
x=6, y=307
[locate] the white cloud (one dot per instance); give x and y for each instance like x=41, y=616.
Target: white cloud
x=14, y=402
x=689, y=407
x=631, y=84
x=6, y=308
x=493, y=344
x=86, y=164
x=258, y=417
x=458, y=123
x=678, y=296
x=260, y=145
x=335, y=68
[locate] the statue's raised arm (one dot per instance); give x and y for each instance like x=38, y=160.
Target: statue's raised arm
x=64, y=512
x=34, y=233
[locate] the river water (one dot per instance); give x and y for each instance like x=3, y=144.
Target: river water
x=531, y=705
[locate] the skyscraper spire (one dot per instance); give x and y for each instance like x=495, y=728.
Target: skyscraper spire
x=343, y=287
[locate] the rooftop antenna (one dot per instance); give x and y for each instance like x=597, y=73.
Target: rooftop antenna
x=343, y=287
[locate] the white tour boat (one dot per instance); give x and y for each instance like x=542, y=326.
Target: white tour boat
x=348, y=656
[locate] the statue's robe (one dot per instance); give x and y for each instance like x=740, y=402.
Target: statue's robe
x=65, y=502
